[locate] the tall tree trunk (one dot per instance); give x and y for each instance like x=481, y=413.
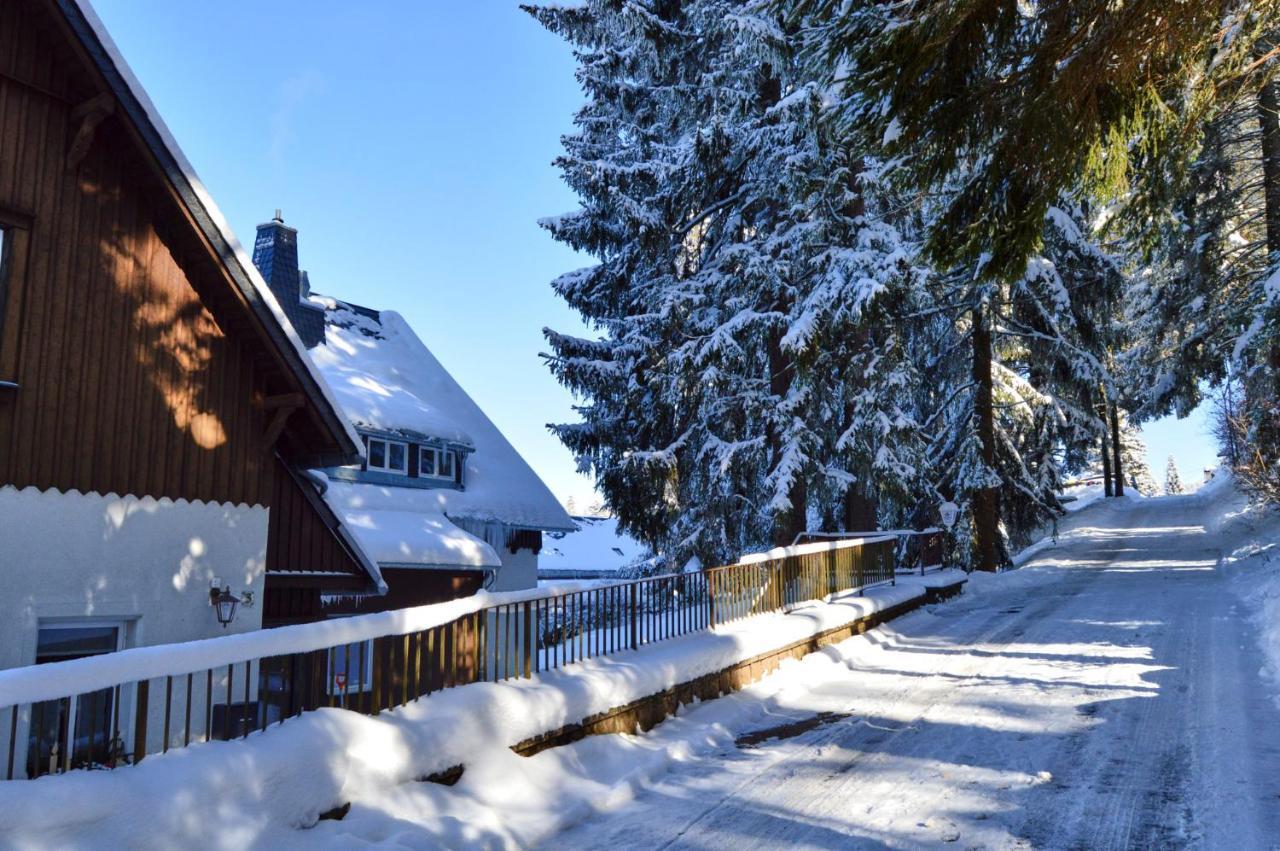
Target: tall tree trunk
x=986, y=501
x=1106, y=462
x=1116, y=448
x=1108, y=482
x=859, y=511
x=782, y=365
x=787, y=524
x=1269, y=123
x=861, y=508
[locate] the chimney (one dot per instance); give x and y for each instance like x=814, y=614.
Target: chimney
x=275, y=253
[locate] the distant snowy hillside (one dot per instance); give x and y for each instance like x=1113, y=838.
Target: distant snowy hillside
x=598, y=548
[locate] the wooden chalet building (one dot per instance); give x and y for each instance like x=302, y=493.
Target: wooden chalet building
x=157, y=409
x=442, y=502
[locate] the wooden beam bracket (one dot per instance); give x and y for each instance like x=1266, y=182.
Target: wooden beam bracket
x=276, y=428
x=89, y=114
x=283, y=401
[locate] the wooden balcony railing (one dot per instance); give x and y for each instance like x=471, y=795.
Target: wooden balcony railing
x=232, y=686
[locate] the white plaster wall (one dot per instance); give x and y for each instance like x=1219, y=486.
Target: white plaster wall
x=518, y=572
x=147, y=562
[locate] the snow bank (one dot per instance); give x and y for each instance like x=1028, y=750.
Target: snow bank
x=257, y=792
x=944, y=578
x=1250, y=540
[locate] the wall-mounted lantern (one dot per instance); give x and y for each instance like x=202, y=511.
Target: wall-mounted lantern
x=224, y=603
x=949, y=511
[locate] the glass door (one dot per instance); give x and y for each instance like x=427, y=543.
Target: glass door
x=88, y=723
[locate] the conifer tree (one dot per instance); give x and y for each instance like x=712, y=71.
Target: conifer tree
x=747, y=375
x=1137, y=470
x=1172, y=482
x=1026, y=98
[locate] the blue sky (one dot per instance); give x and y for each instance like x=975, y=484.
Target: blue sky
x=1187, y=440
x=411, y=145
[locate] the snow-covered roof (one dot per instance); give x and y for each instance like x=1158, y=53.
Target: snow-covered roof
x=388, y=380
x=598, y=547
x=400, y=533
x=370, y=386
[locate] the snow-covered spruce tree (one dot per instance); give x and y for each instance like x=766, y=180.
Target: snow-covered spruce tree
x=1137, y=470
x=1197, y=220
x=1227, y=421
x=994, y=111
x=1205, y=310
x=747, y=368
x=1047, y=91
x=1172, y=481
x=1027, y=370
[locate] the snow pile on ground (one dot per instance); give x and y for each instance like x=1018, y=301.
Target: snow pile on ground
x=259, y=792
x=1082, y=514
x=1081, y=496
x=1250, y=540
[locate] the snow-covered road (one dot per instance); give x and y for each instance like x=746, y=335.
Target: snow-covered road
x=1106, y=696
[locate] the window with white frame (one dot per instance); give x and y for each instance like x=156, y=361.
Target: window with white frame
x=437, y=463
x=388, y=456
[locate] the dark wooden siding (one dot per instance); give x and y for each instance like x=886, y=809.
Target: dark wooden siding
x=300, y=540
x=285, y=606
x=409, y=587
x=118, y=328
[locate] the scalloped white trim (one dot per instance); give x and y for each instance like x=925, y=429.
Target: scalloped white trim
x=145, y=499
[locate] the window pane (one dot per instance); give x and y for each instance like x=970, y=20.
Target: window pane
x=377, y=453
x=446, y=464
x=56, y=644
x=397, y=456
x=91, y=739
x=428, y=466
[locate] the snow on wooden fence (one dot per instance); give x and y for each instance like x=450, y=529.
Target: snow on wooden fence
x=112, y=710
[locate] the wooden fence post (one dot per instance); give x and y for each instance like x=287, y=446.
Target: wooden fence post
x=375, y=692
x=140, y=721
x=711, y=599
x=528, y=640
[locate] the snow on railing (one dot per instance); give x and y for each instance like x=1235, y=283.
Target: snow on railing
x=100, y=711
x=918, y=549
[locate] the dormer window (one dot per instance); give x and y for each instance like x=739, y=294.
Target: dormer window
x=388, y=456
x=437, y=463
